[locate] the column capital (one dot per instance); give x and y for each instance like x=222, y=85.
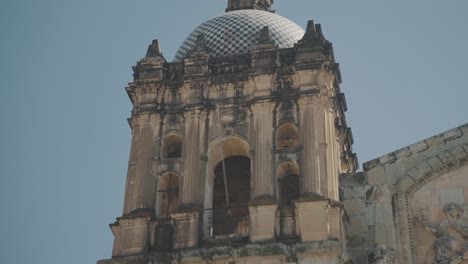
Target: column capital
x=194, y=114
x=145, y=119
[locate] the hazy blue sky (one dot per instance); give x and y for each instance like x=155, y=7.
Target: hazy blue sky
x=64, y=65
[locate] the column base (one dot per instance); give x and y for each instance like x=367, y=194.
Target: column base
x=186, y=228
x=313, y=219
x=262, y=222
x=130, y=236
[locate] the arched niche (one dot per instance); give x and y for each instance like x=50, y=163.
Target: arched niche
x=287, y=136
x=287, y=174
x=222, y=219
x=172, y=146
x=167, y=194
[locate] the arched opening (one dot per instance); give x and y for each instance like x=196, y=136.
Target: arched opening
x=168, y=195
x=288, y=177
x=231, y=217
x=287, y=136
x=221, y=219
x=172, y=147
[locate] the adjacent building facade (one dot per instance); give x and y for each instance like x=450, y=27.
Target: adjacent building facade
x=241, y=153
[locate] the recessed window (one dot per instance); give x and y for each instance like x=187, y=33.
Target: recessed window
x=172, y=147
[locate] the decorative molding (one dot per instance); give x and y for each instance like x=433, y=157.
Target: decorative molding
x=443, y=138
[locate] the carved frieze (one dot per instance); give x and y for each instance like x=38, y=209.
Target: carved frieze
x=451, y=236
x=380, y=254
x=441, y=220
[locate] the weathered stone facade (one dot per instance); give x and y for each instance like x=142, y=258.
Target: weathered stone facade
x=246, y=157
x=410, y=206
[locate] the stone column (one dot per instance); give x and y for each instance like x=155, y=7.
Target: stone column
x=333, y=156
x=310, y=159
x=141, y=185
x=263, y=205
x=193, y=177
x=321, y=122
x=263, y=176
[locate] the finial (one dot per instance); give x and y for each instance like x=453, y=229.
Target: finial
x=313, y=32
x=264, y=5
x=264, y=39
x=265, y=35
x=200, y=45
x=154, y=50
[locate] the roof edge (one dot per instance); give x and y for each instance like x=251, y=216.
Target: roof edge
x=417, y=147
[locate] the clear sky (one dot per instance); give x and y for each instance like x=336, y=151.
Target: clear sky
x=64, y=65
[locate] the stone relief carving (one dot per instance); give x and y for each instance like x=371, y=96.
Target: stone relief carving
x=380, y=254
x=451, y=244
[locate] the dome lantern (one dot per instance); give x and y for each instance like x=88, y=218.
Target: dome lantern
x=264, y=5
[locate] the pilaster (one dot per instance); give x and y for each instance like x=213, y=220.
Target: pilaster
x=263, y=176
x=193, y=177
x=310, y=156
x=141, y=192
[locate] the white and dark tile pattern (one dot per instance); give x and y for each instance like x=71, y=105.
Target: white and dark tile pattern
x=235, y=32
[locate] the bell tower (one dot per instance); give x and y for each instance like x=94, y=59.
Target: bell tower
x=237, y=147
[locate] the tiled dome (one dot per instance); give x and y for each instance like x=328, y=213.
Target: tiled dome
x=235, y=32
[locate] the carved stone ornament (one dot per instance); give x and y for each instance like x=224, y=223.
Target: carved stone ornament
x=451, y=244
x=232, y=117
x=380, y=254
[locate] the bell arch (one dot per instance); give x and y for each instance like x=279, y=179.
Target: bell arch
x=226, y=202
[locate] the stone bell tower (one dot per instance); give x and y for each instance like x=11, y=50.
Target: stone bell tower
x=237, y=146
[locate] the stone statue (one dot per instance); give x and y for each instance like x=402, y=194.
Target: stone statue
x=451, y=245
x=380, y=254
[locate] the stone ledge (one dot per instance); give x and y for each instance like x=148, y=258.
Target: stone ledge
x=229, y=253
x=420, y=146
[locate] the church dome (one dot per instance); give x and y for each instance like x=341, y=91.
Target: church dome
x=236, y=32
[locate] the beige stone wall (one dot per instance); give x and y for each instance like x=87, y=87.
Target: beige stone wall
x=396, y=207
x=428, y=205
